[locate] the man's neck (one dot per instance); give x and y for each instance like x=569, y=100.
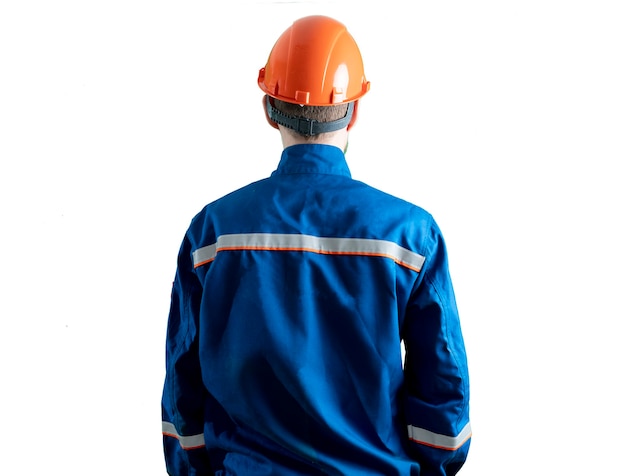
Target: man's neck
x=337, y=138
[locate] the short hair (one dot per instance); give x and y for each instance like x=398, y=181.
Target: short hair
x=316, y=113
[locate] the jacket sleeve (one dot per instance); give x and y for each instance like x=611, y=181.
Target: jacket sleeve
x=183, y=393
x=436, y=374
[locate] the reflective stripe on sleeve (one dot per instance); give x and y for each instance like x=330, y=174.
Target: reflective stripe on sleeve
x=186, y=442
x=428, y=438
x=309, y=243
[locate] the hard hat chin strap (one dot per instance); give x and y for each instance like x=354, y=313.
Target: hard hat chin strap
x=304, y=126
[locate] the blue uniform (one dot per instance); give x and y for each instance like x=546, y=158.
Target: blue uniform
x=291, y=298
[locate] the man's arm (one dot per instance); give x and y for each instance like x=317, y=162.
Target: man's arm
x=182, y=403
x=436, y=374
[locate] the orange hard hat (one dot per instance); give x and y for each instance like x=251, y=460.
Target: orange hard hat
x=315, y=62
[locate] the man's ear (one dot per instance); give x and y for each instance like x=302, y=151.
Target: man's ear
x=267, y=116
x=354, y=114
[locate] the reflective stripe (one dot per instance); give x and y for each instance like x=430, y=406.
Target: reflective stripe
x=428, y=438
x=312, y=244
x=186, y=442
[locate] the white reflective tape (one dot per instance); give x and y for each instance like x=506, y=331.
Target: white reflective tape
x=309, y=243
x=425, y=437
x=186, y=442
x=204, y=255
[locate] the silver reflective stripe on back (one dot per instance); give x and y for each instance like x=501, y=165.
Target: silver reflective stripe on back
x=425, y=437
x=309, y=243
x=187, y=442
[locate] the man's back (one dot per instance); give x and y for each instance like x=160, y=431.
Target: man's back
x=300, y=289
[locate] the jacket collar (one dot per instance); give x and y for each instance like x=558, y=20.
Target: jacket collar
x=313, y=159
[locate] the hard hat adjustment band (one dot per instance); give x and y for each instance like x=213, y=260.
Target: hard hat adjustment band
x=304, y=126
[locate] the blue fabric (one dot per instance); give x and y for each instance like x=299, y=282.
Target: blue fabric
x=289, y=362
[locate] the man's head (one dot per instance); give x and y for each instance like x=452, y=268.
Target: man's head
x=313, y=79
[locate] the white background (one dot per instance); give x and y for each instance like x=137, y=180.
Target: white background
x=119, y=120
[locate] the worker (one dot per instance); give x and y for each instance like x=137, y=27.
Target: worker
x=294, y=296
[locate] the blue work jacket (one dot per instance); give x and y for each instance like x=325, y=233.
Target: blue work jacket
x=292, y=299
